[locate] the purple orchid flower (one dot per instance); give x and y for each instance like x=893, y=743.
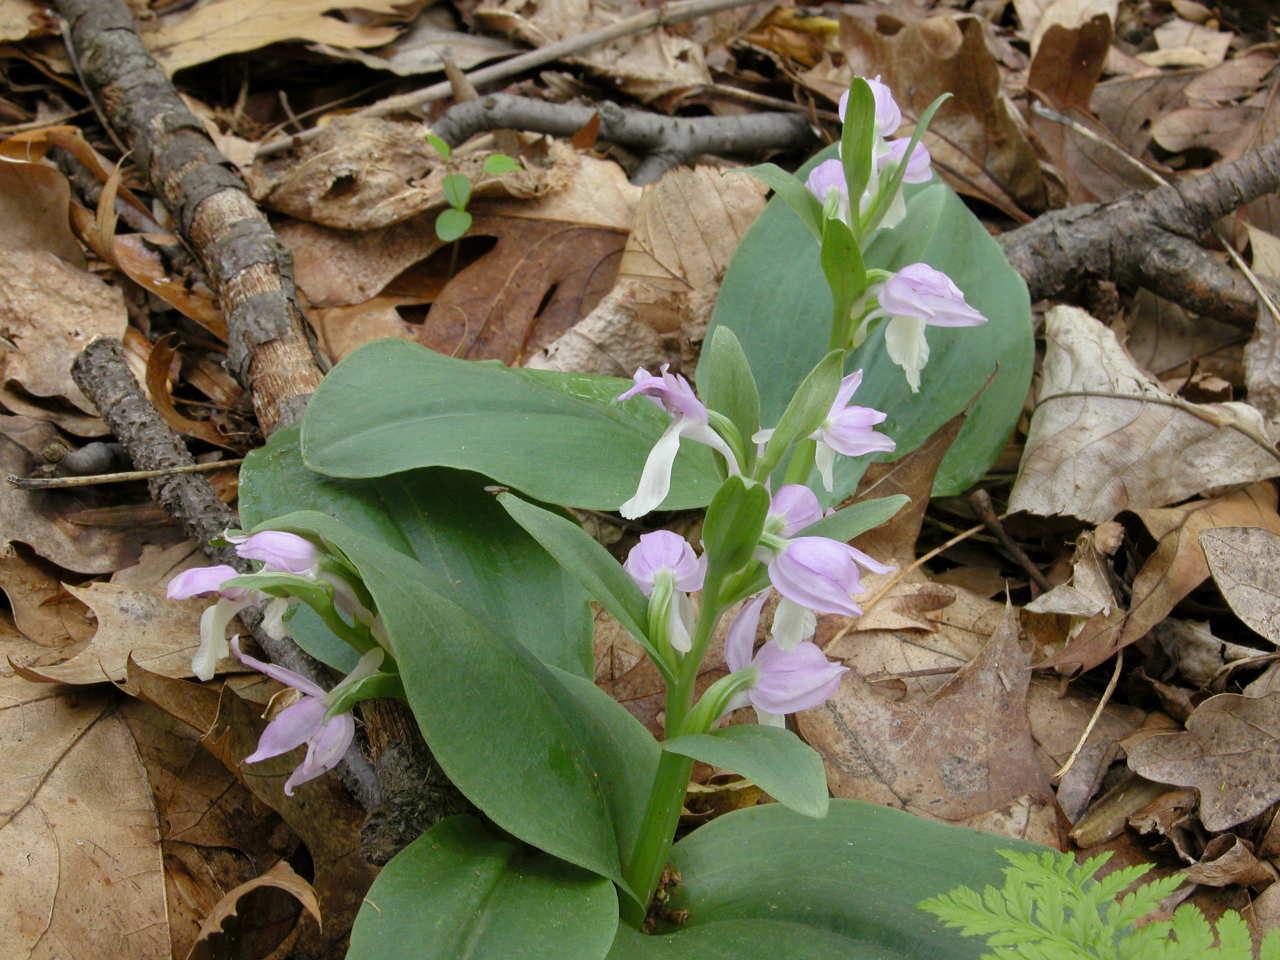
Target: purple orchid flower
x=204, y=581
x=785, y=681
x=826, y=182
x=888, y=114
x=672, y=393
x=663, y=554
x=302, y=722
x=279, y=552
x=915, y=297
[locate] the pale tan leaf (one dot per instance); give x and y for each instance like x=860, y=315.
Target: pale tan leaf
x=1230, y=752
x=219, y=27
x=1105, y=438
x=1245, y=563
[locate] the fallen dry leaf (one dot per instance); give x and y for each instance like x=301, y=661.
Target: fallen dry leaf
x=686, y=229
x=159, y=634
x=1245, y=563
x=215, y=29
x=1182, y=43
x=1262, y=352
x=959, y=753
x=1228, y=860
x=1037, y=17
x=42, y=608
x=35, y=200
x=340, y=330
x=51, y=310
x=1127, y=106
x=80, y=868
x=1164, y=340
x=420, y=48
x=1105, y=438
x=20, y=19
x=239, y=916
x=1230, y=752
x=1195, y=652
x=650, y=65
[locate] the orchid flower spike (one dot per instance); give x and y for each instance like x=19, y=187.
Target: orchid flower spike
x=915, y=297
x=304, y=721
x=888, y=114
x=665, y=561
x=672, y=393
x=784, y=681
x=826, y=181
x=816, y=573
x=203, y=581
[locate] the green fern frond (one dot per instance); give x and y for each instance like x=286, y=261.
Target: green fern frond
x=1052, y=908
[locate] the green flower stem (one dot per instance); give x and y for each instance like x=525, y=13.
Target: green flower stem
x=671, y=782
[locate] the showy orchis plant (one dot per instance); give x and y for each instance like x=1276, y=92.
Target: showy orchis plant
x=472, y=607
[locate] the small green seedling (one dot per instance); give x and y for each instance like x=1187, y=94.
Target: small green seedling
x=456, y=221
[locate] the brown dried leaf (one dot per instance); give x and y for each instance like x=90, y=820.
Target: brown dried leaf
x=51, y=310
x=159, y=383
x=1127, y=106
x=660, y=64
x=961, y=752
x=42, y=519
x=1223, y=129
x=341, y=330
x=34, y=208
x=1230, y=752
x=1182, y=43
x=687, y=227
x=20, y=19
x=160, y=634
x=419, y=50
x=142, y=265
x=215, y=29
x=42, y=608
x=1245, y=563
x=227, y=925
x=80, y=869
x=1228, y=860
x=1105, y=438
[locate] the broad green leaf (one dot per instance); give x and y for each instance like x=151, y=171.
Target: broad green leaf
x=805, y=410
x=856, y=140
x=439, y=146
x=791, y=191
x=776, y=274
x=392, y=406
x=586, y=560
x=504, y=727
x=731, y=528
x=457, y=190
x=725, y=384
x=857, y=518
x=496, y=164
x=459, y=892
x=856, y=874
x=473, y=552
x=774, y=759
x=452, y=224
x=745, y=940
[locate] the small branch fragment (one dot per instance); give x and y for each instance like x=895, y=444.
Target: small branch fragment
x=665, y=142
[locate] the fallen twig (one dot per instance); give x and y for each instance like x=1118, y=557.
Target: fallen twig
x=124, y=476
x=659, y=16
x=665, y=142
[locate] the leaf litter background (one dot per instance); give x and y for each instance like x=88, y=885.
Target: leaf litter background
x=1140, y=479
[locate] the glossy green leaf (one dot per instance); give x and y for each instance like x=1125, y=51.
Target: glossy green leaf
x=473, y=552
x=459, y=892
x=806, y=409
x=457, y=190
x=452, y=224
x=846, y=885
x=392, y=406
x=496, y=164
x=776, y=274
x=774, y=759
x=732, y=526
x=857, y=518
x=587, y=561
x=725, y=384
x=506, y=729
x=791, y=191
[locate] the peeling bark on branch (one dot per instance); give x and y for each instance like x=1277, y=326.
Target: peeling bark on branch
x=251, y=270
x=1150, y=240
x=664, y=142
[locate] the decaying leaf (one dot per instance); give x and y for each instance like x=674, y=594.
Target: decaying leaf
x=160, y=634
x=418, y=50
x=1105, y=438
x=1230, y=752
x=236, y=916
x=211, y=30
x=687, y=226
x=1245, y=563
x=958, y=754
x=80, y=869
